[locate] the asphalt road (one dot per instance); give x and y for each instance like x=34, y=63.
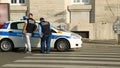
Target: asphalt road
x=91, y=55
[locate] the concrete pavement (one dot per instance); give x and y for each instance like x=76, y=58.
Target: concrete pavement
x=90, y=55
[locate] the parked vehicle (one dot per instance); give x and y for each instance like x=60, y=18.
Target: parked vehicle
x=11, y=37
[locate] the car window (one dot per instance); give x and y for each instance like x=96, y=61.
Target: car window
x=17, y=25
x=53, y=31
x=20, y=26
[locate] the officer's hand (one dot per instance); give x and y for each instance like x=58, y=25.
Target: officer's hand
x=41, y=36
x=24, y=31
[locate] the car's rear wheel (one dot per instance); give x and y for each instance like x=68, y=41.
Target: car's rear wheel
x=6, y=45
x=62, y=45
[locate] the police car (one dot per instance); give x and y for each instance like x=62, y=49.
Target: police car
x=11, y=37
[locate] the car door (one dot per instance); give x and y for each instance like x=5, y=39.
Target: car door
x=35, y=39
x=16, y=34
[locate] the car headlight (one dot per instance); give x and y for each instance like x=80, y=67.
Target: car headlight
x=76, y=36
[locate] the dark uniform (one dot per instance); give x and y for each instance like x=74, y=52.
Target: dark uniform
x=30, y=25
x=46, y=38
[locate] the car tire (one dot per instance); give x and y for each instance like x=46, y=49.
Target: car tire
x=62, y=45
x=6, y=45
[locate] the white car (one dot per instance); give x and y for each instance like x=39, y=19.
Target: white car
x=11, y=37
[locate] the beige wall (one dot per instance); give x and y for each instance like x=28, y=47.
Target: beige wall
x=105, y=16
x=80, y=13
x=16, y=11
x=52, y=10
x=67, y=3
x=80, y=19
x=17, y=14
x=5, y=1
x=62, y=11
x=97, y=18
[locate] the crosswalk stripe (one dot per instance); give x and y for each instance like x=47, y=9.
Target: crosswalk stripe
x=57, y=60
x=73, y=55
x=32, y=65
x=79, y=54
x=50, y=66
x=67, y=62
x=84, y=53
x=73, y=58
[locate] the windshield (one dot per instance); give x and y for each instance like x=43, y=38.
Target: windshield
x=60, y=29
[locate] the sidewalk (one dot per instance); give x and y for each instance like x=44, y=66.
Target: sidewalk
x=100, y=44
x=97, y=45
x=112, y=42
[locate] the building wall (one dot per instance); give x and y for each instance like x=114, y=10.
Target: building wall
x=4, y=1
x=105, y=16
x=80, y=18
x=52, y=10
x=16, y=11
x=97, y=18
x=80, y=13
x=63, y=12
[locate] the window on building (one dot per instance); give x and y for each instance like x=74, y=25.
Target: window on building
x=18, y=2
x=76, y=1
x=85, y=1
x=22, y=1
x=13, y=1
x=81, y=1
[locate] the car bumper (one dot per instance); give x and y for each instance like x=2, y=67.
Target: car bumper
x=75, y=43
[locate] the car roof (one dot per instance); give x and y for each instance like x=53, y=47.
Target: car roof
x=15, y=21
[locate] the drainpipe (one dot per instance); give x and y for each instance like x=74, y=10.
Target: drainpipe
x=28, y=7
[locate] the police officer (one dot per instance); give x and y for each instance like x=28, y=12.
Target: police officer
x=28, y=29
x=45, y=35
